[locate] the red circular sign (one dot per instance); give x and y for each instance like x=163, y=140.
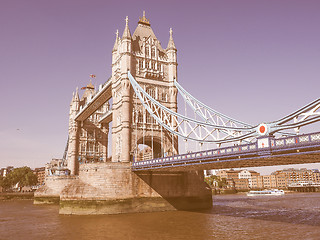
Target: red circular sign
x=262, y=129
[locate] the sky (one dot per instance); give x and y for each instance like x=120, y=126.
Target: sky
x=255, y=61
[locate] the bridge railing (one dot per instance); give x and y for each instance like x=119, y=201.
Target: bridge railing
x=238, y=151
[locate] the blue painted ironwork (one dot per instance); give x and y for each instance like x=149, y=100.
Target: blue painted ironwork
x=287, y=146
x=186, y=127
x=205, y=112
x=209, y=129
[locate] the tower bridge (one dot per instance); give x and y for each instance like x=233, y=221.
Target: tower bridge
x=147, y=169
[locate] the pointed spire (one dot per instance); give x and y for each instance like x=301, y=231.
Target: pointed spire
x=171, y=44
x=76, y=96
x=126, y=33
x=72, y=98
x=116, y=43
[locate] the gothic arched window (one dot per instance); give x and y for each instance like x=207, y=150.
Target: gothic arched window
x=140, y=117
x=147, y=51
x=153, y=52
x=83, y=147
x=164, y=97
x=148, y=120
x=140, y=63
x=151, y=92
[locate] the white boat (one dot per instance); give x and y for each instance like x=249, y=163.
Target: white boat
x=272, y=192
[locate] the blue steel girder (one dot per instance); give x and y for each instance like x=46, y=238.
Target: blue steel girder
x=304, y=116
x=186, y=127
x=205, y=112
x=209, y=130
x=208, y=114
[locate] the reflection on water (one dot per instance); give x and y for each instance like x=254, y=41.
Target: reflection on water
x=293, y=216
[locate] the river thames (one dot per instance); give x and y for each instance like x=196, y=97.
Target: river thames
x=292, y=216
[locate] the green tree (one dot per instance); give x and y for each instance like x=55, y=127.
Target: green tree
x=5, y=182
x=222, y=183
x=23, y=176
x=209, y=181
x=214, y=181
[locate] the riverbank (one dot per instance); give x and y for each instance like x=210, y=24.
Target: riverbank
x=16, y=196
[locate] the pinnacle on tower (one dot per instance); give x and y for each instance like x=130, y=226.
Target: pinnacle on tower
x=76, y=96
x=171, y=44
x=72, y=98
x=144, y=20
x=115, y=46
x=126, y=33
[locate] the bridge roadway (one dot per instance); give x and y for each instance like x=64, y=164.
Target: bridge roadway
x=267, y=151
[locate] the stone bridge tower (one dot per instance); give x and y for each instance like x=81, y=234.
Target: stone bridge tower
x=135, y=134
x=101, y=186
x=155, y=69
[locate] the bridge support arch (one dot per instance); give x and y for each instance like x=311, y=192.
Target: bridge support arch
x=159, y=144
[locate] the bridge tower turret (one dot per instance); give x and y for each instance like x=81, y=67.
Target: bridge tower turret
x=155, y=68
x=121, y=64
x=172, y=75
x=73, y=149
x=172, y=58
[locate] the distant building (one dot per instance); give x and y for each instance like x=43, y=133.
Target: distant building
x=211, y=172
x=281, y=179
x=257, y=182
x=222, y=174
x=240, y=179
x=40, y=172
x=269, y=181
x=248, y=174
x=241, y=183
x=316, y=175
x=292, y=175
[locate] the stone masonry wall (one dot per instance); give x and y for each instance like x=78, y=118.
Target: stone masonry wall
x=112, y=188
x=50, y=192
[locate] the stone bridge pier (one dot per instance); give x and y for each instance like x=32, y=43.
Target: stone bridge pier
x=112, y=188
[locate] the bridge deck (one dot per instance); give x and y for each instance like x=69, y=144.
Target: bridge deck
x=289, y=150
